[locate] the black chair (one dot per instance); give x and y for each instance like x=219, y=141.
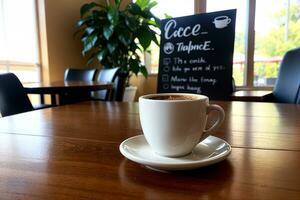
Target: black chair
x=287, y=86
x=233, y=86
x=13, y=99
x=118, y=79
x=72, y=74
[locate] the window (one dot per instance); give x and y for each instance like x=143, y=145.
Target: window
x=173, y=8
x=276, y=27
x=19, y=39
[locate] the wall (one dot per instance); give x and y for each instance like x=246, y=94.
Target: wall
x=59, y=48
x=145, y=85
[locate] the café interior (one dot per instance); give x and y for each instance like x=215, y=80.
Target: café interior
x=90, y=108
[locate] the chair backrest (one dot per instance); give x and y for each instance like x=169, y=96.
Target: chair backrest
x=233, y=88
x=298, y=97
x=110, y=75
x=13, y=99
x=287, y=85
x=72, y=74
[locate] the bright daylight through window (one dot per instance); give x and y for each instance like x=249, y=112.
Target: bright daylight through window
x=19, y=39
x=277, y=30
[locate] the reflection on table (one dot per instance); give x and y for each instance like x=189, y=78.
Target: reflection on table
x=249, y=95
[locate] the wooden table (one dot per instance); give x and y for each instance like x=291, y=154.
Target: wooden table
x=71, y=152
x=249, y=95
x=61, y=88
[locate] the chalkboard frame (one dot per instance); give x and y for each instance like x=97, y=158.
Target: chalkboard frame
x=200, y=30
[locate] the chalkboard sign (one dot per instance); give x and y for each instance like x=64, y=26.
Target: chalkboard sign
x=196, y=54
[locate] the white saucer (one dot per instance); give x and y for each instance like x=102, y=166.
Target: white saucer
x=209, y=151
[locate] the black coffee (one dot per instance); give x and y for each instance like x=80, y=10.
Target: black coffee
x=173, y=97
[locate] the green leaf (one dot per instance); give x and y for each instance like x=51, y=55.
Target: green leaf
x=89, y=30
x=142, y=3
x=101, y=55
x=134, y=66
x=154, y=38
x=108, y=30
x=150, y=22
x=87, y=7
x=99, y=14
x=131, y=23
x=151, y=5
x=113, y=15
x=145, y=37
x=83, y=39
x=167, y=16
x=89, y=42
x=150, y=17
x=125, y=38
x=91, y=59
x=112, y=45
x=135, y=9
x=144, y=71
x=83, y=21
x=158, y=22
x=134, y=47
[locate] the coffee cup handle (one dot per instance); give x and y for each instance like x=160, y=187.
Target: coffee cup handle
x=217, y=124
x=228, y=21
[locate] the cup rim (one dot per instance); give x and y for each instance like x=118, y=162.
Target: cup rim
x=219, y=18
x=198, y=97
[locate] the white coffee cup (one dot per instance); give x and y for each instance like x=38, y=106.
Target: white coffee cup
x=174, y=127
x=221, y=21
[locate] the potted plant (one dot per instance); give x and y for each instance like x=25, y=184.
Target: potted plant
x=117, y=37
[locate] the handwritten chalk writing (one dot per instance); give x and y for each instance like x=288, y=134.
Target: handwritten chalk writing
x=207, y=68
x=177, y=79
x=181, y=47
x=197, y=61
x=177, y=60
x=195, y=89
x=211, y=81
x=198, y=68
x=193, y=79
x=172, y=32
x=187, y=69
x=177, y=87
x=218, y=67
x=176, y=69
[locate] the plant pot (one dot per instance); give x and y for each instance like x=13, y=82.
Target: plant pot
x=129, y=93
